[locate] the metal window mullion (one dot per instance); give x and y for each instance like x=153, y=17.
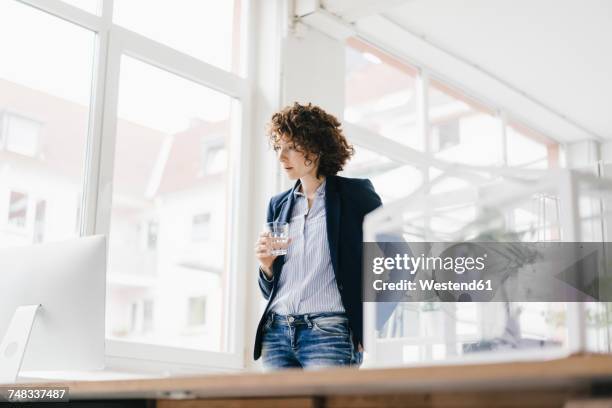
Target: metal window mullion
x=106, y=143
x=90, y=198
x=238, y=215
x=423, y=126
x=236, y=219
x=576, y=311
x=503, y=122
x=69, y=13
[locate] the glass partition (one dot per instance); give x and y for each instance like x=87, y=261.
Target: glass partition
x=538, y=208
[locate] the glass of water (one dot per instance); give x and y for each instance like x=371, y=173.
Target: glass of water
x=279, y=232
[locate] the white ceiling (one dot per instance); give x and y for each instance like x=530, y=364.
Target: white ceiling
x=557, y=52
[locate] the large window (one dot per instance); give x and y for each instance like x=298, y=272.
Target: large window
x=381, y=94
x=184, y=257
x=188, y=26
x=125, y=116
x=391, y=179
x=418, y=137
x=528, y=148
x=45, y=92
x=461, y=130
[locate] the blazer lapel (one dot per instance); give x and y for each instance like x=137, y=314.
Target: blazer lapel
x=285, y=213
x=284, y=216
x=332, y=212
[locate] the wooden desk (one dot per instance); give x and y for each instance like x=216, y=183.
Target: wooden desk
x=526, y=384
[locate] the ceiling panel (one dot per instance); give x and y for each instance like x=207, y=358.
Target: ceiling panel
x=557, y=52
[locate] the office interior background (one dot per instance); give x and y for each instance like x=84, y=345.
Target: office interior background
x=145, y=121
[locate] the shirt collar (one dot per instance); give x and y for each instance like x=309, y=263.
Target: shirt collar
x=319, y=192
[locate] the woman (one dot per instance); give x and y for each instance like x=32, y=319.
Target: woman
x=313, y=317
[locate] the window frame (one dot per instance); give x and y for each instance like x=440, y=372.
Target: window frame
x=426, y=160
x=426, y=79
x=113, y=41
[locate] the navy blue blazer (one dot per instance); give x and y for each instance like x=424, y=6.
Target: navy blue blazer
x=347, y=201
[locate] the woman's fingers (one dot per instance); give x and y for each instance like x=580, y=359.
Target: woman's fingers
x=263, y=241
x=261, y=247
x=265, y=244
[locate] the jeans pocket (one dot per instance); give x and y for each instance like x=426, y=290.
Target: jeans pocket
x=332, y=325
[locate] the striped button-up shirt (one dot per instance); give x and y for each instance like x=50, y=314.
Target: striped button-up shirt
x=307, y=283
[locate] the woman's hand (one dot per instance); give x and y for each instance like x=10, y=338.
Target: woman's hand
x=263, y=249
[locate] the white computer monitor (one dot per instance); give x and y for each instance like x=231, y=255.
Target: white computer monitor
x=52, y=306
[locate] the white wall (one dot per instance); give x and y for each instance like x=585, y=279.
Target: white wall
x=314, y=70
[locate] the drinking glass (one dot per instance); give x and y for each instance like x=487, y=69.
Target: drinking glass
x=279, y=232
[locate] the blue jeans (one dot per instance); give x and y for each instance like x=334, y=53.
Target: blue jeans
x=309, y=341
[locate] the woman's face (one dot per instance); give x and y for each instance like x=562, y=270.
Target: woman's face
x=293, y=161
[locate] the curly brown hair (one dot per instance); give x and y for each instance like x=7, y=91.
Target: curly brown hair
x=315, y=133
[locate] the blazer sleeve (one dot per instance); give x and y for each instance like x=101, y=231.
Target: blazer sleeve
x=265, y=285
x=371, y=200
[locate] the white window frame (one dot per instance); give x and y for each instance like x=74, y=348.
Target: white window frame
x=113, y=41
x=404, y=154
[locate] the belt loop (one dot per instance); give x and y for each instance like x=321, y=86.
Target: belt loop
x=307, y=320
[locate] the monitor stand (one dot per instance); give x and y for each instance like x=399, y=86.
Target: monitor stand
x=15, y=341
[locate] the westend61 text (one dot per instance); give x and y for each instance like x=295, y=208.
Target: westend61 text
x=430, y=284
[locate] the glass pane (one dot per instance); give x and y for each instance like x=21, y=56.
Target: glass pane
x=45, y=85
x=381, y=94
x=91, y=6
x=420, y=332
x=462, y=131
x=168, y=225
x=207, y=30
x=599, y=327
x=529, y=149
x=391, y=179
